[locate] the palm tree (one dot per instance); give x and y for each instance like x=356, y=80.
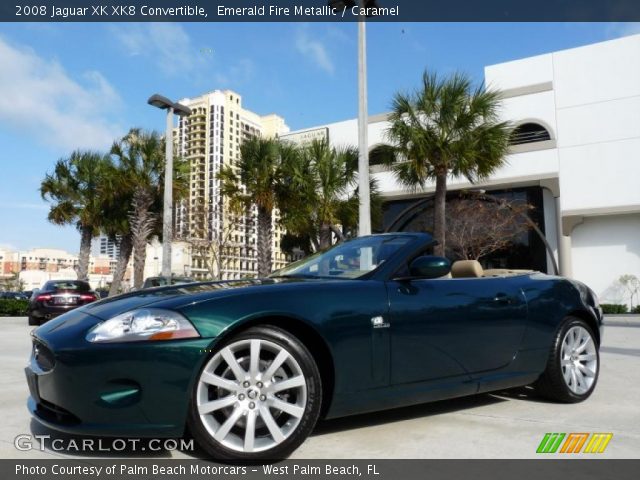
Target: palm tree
x=76, y=189
x=116, y=222
x=255, y=182
x=447, y=127
x=141, y=165
x=320, y=183
x=135, y=200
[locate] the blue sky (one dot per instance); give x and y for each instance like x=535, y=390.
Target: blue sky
x=67, y=86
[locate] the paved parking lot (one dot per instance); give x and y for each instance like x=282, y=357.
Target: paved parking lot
x=505, y=425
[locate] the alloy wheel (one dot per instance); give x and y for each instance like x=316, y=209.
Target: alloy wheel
x=578, y=360
x=251, y=395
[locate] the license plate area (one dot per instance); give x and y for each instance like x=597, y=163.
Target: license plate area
x=65, y=300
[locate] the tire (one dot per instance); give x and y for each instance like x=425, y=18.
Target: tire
x=33, y=321
x=229, y=402
x=573, y=365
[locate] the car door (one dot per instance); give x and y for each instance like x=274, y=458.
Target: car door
x=444, y=328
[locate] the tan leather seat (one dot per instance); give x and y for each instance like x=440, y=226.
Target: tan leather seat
x=466, y=269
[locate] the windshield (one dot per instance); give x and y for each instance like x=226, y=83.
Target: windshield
x=66, y=285
x=351, y=259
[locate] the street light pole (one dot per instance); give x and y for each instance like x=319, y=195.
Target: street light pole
x=364, y=210
x=167, y=211
x=364, y=207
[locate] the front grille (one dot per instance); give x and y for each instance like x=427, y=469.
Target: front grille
x=43, y=356
x=54, y=413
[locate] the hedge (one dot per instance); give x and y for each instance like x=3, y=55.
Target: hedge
x=612, y=308
x=11, y=307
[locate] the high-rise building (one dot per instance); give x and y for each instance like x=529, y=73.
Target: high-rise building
x=224, y=244
x=103, y=245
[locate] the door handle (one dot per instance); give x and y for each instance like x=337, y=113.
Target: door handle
x=502, y=298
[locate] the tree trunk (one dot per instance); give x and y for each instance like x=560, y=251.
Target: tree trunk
x=339, y=233
x=86, y=234
x=142, y=221
x=264, y=242
x=325, y=236
x=314, y=243
x=125, y=245
x=139, y=260
x=439, y=219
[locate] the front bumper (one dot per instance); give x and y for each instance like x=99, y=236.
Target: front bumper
x=130, y=389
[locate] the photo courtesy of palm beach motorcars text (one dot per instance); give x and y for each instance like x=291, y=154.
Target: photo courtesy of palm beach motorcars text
x=177, y=470
x=359, y=239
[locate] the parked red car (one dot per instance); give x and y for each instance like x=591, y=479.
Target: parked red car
x=58, y=297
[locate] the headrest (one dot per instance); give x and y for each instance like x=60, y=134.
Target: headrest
x=466, y=269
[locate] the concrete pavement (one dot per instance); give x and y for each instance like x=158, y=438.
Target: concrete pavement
x=503, y=425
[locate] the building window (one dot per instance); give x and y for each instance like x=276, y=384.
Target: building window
x=529, y=133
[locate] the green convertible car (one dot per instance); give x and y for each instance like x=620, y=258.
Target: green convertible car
x=248, y=366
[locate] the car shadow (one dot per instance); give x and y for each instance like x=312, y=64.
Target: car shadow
x=405, y=413
x=85, y=446
x=65, y=443
x=522, y=393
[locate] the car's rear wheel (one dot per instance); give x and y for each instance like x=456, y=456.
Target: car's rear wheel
x=257, y=397
x=573, y=364
x=33, y=321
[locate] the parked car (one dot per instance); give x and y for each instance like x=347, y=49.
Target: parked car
x=14, y=295
x=152, y=282
x=102, y=293
x=248, y=366
x=57, y=297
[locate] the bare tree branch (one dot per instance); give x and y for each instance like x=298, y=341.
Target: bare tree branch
x=477, y=228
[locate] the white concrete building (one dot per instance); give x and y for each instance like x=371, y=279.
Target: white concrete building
x=576, y=156
x=180, y=259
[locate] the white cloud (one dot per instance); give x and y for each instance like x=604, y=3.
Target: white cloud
x=314, y=50
x=40, y=98
x=167, y=44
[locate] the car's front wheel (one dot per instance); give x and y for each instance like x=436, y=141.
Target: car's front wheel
x=573, y=364
x=257, y=397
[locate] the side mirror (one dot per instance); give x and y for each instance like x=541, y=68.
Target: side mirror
x=429, y=266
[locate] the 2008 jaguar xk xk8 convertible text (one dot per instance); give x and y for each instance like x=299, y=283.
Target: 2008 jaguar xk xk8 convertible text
x=248, y=366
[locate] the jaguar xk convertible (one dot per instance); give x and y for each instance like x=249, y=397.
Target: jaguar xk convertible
x=249, y=366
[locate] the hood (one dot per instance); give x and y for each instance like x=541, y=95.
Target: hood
x=175, y=295
x=76, y=322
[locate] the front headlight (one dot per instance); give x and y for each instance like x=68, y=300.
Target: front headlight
x=143, y=324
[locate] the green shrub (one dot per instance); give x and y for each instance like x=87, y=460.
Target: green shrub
x=612, y=308
x=636, y=309
x=11, y=307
